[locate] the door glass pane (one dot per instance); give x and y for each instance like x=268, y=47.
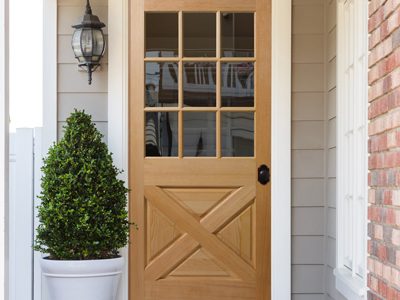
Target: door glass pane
x=199, y=84
x=237, y=84
x=237, y=30
x=161, y=133
x=237, y=134
x=199, y=134
x=199, y=34
x=161, y=84
x=161, y=34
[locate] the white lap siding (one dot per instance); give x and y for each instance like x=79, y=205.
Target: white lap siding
x=73, y=89
x=314, y=150
x=308, y=152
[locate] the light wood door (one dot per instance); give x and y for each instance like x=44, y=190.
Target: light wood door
x=199, y=116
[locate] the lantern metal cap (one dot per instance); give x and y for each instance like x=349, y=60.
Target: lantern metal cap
x=89, y=19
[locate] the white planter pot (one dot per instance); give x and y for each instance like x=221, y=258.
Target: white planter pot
x=82, y=280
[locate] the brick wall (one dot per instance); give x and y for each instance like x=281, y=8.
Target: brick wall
x=384, y=148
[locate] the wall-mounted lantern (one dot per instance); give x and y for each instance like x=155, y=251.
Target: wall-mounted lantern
x=88, y=42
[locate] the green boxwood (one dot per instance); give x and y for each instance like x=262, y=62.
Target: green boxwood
x=83, y=211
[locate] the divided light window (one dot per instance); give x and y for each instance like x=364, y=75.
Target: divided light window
x=199, y=84
x=352, y=150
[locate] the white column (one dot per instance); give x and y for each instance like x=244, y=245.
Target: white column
x=281, y=136
x=4, y=120
x=118, y=41
x=49, y=74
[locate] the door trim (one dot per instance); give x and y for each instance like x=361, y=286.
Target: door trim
x=118, y=70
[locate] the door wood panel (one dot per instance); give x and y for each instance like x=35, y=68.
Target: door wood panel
x=204, y=222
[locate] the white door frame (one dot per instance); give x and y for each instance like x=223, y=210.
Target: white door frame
x=281, y=128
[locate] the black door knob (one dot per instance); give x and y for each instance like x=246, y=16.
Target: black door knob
x=264, y=175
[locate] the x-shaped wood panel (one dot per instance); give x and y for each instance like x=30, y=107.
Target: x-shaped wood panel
x=199, y=234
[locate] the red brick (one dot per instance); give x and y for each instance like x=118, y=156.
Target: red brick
x=393, y=139
x=378, y=143
x=374, y=5
x=382, y=288
x=394, y=98
x=387, y=198
x=395, y=277
x=387, y=272
x=380, y=51
x=390, y=217
x=378, y=107
x=398, y=258
x=376, y=19
x=396, y=197
x=393, y=294
x=385, y=66
x=373, y=284
x=384, y=149
x=396, y=237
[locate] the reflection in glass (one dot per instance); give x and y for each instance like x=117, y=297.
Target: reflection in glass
x=161, y=133
x=199, y=34
x=161, y=34
x=161, y=84
x=237, y=30
x=199, y=84
x=237, y=84
x=237, y=134
x=199, y=134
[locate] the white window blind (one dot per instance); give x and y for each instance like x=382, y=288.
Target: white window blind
x=352, y=150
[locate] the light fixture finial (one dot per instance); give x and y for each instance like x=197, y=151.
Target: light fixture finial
x=88, y=8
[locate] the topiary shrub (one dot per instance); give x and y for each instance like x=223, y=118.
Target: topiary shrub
x=83, y=210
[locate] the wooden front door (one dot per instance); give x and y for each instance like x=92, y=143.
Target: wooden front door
x=199, y=116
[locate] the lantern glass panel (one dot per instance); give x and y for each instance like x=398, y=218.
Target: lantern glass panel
x=98, y=42
x=76, y=43
x=87, y=42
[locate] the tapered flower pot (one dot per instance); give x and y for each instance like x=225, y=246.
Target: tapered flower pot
x=85, y=280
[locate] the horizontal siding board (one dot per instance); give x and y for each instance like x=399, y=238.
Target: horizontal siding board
x=331, y=252
x=308, y=78
x=331, y=15
x=331, y=192
x=331, y=45
x=308, y=19
x=308, y=297
x=307, y=279
x=308, y=48
x=94, y=104
x=308, y=106
x=332, y=163
x=71, y=15
x=307, y=250
x=71, y=80
x=82, y=3
x=308, y=221
x=307, y=135
x=308, y=163
x=65, y=53
x=101, y=126
x=331, y=223
x=332, y=74
x=332, y=103
x=332, y=133
x=307, y=192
